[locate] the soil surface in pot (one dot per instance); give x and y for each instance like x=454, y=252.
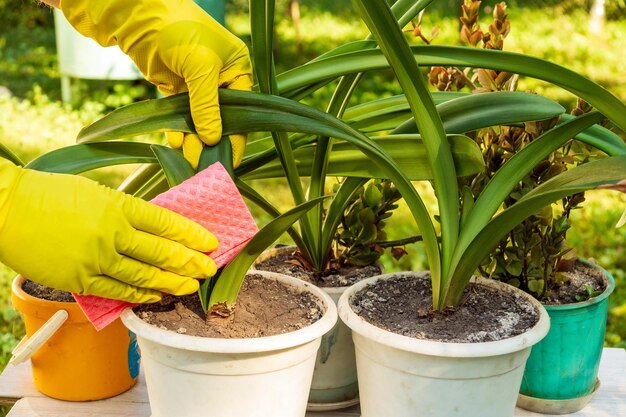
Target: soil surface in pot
x=581, y=279
x=287, y=263
x=264, y=308
x=46, y=293
x=403, y=305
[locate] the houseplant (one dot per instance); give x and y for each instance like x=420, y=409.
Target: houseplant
x=561, y=373
x=453, y=272
x=466, y=235
x=357, y=246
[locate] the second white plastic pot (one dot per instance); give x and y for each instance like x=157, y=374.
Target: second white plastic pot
x=402, y=376
x=257, y=377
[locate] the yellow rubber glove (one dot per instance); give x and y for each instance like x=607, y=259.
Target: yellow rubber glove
x=73, y=234
x=178, y=47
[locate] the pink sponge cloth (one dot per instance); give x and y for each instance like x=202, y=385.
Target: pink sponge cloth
x=209, y=198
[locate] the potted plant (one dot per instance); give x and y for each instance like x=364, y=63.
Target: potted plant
x=240, y=363
x=466, y=235
x=354, y=241
x=430, y=368
x=561, y=373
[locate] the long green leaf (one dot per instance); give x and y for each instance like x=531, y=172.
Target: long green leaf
x=407, y=151
x=231, y=278
x=394, y=46
x=6, y=153
x=75, y=159
x=609, y=170
x=432, y=55
x=600, y=138
x=389, y=112
x=475, y=111
x=262, y=36
x=174, y=164
x=151, y=187
x=511, y=173
x=135, y=181
x=222, y=153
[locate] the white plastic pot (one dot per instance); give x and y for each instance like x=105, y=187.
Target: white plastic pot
x=402, y=376
x=257, y=377
x=334, y=384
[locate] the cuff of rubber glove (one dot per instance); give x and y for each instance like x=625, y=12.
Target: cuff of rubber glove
x=85, y=15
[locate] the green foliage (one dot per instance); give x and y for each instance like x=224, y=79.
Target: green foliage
x=529, y=257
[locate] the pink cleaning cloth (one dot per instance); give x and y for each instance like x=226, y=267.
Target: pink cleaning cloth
x=209, y=198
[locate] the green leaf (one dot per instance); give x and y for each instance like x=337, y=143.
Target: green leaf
x=222, y=153
x=262, y=36
x=229, y=283
x=434, y=55
x=388, y=113
x=142, y=176
x=514, y=268
x=600, y=138
x=476, y=111
x=407, y=151
x=149, y=116
x=381, y=22
x=6, y=153
x=174, y=164
x=75, y=159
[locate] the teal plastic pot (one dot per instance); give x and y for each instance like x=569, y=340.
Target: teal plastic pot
x=564, y=365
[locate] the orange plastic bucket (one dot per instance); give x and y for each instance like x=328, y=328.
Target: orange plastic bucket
x=77, y=363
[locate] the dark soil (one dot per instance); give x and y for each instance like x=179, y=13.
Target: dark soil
x=403, y=305
x=264, y=308
x=285, y=262
x=46, y=293
x=578, y=276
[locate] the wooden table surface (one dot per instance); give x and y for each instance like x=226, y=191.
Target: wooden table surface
x=16, y=387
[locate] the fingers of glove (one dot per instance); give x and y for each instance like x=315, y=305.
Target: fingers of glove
x=205, y=110
x=169, y=255
x=175, y=139
x=104, y=286
x=190, y=144
x=238, y=142
x=143, y=276
x=241, y=81
x=192, y=149
x=168, y=224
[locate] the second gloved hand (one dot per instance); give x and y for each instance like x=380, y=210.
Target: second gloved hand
x=178, y=47
x=73, y=234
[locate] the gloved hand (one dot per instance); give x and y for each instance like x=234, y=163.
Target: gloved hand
x=178, y=47
x=73, y=234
